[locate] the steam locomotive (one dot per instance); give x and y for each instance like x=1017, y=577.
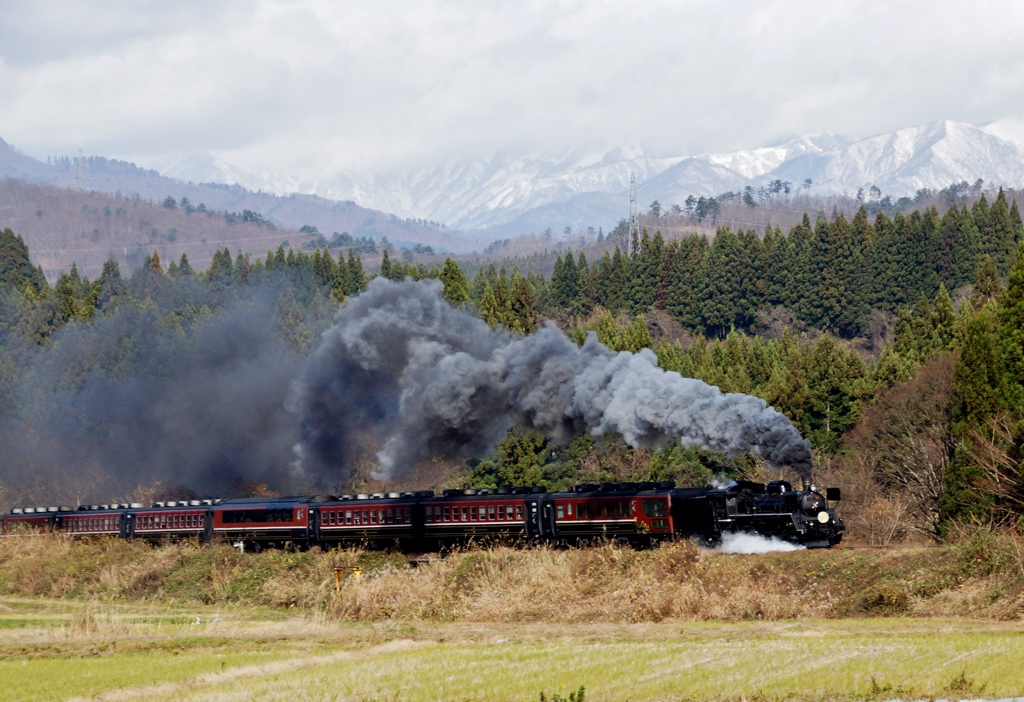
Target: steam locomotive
x=640, y=514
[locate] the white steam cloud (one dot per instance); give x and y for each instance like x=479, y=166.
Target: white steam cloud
x=743, y=542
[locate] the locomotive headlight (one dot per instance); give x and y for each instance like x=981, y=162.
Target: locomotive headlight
x=823, y=517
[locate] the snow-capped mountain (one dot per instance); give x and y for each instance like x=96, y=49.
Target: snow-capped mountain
x=516, y=193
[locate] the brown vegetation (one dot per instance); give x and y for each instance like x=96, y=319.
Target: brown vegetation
x=63, y=226
x=981, y=576
x=898, y=455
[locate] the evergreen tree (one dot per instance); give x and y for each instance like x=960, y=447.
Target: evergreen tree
x=986, y=283
x=112, y=288
x=491, y=310
x=565, y=281
x=721, y=285
x=456, y=287
x=647, y=264
x=523, y=318
x=1000, y=239
x=243, y=269
x=16, y=269
x=67, y=302
x=968, y=251
x=356, y=276
x=978, y=396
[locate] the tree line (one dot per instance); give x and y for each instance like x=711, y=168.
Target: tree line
x=829, y=275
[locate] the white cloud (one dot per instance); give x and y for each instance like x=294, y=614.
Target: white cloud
x=317, y=86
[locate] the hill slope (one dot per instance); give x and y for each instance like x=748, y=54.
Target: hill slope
x=114, y=177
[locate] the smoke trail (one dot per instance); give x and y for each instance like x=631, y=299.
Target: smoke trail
x=129, y=400
x=435, y=381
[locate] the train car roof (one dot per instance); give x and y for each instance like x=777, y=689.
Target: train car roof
x=303, y=499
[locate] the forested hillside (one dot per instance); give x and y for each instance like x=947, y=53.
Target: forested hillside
x=895, y=344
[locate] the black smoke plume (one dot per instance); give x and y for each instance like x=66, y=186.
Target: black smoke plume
x=130, y=400
x=431, y=380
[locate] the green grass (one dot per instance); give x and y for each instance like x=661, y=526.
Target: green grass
x=818, y=662
x=55, y=650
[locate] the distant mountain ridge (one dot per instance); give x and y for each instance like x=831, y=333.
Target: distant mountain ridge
x=480, y=200
x=519, y=193
x=292, y=210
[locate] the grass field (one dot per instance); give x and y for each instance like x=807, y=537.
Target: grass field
x=55, y=649
x=109, y=619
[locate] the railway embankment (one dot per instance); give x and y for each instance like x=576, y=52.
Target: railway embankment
x=980, y=576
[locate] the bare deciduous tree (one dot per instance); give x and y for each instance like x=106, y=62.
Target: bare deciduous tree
x=906, y=440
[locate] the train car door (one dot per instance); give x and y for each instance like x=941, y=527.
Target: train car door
x=313, y=532
x=549, y=527
x=534, y=528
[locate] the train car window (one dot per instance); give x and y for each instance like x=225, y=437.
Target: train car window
x=472, y=513
x=618, y=510
x=257, y=516
x=391, y=516
x=561, y=512
x=659, y=524
x=490, y=513
x=447, y=514
x=568, y=509
x=519, y=513
x=465, y=514
x=323, y=518
x=408, y=514
x=117, y=523
x=348, y=517
x=656, y=508
x=501, y=513
x=201, y=520
x=373, y=516
x=381, y=519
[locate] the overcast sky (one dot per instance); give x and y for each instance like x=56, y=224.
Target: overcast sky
x=290, y=85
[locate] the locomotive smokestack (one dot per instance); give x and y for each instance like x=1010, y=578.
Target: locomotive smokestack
x=807, y=483
x=434, y=381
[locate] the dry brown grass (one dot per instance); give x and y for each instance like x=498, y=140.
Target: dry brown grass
x=981, y=576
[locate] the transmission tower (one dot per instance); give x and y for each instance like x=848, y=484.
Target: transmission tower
x=81, y=177
x=634, y=217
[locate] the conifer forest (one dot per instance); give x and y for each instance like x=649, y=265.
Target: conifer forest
x=895, y=343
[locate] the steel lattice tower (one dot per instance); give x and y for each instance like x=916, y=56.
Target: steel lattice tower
x=634, y=216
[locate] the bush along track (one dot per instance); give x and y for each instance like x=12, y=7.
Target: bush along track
x=980, y=576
